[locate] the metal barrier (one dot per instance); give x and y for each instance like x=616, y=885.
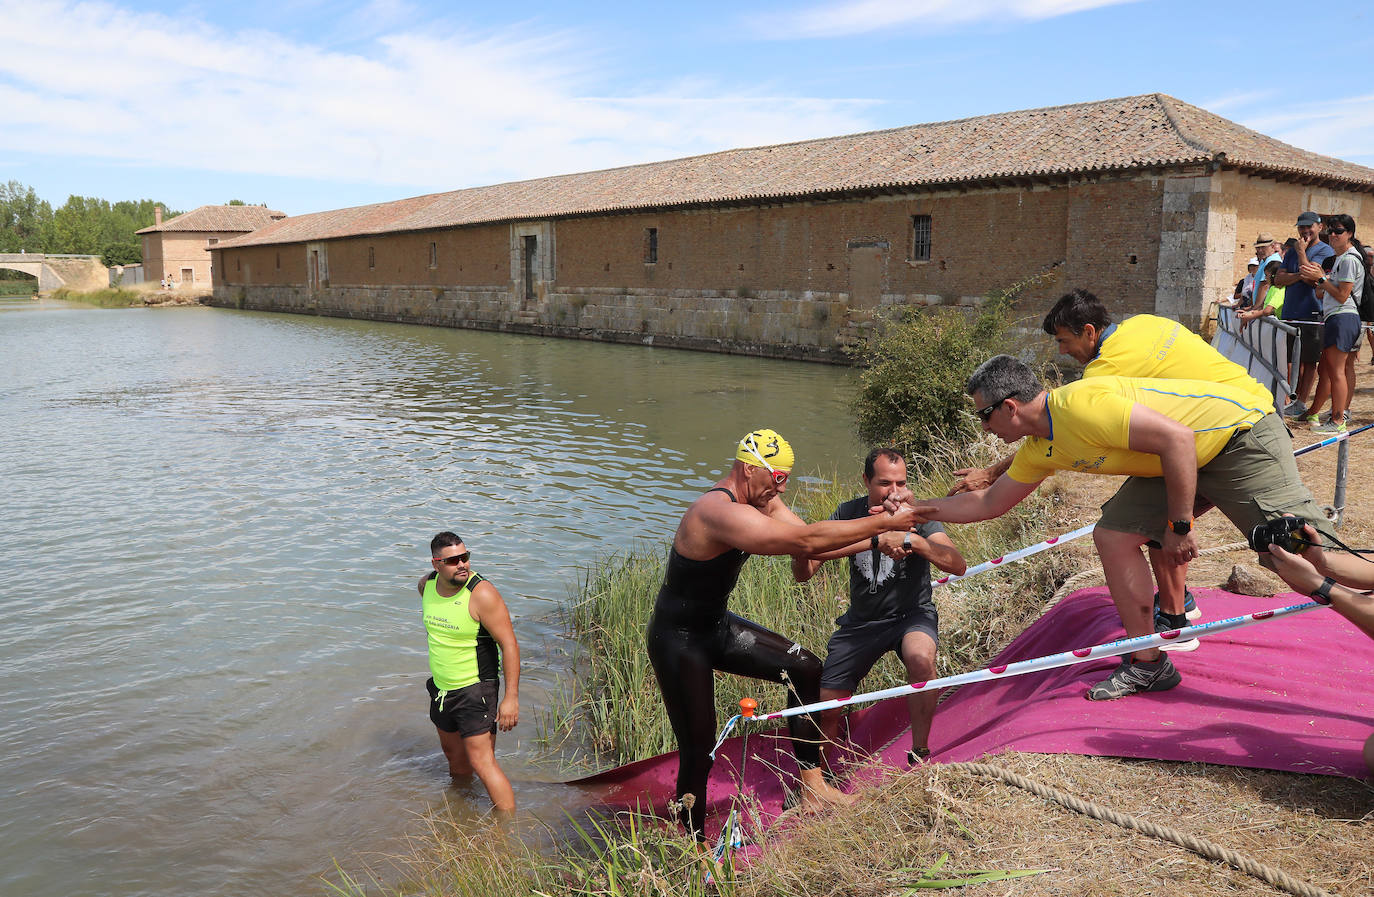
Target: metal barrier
x=1261, y=347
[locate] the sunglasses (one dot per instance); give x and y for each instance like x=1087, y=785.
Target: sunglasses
x=779, y=476
x=985, y=413
x=1335, y=230
x=456, y=559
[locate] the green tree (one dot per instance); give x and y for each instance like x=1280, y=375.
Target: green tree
x=23, y=218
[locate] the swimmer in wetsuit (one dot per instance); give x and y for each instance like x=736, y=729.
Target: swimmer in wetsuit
x=691, y=633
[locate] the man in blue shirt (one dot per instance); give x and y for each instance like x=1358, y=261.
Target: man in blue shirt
x=1301, y=308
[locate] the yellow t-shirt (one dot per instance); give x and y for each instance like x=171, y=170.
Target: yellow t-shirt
x=1090, y=424
x=1151, y=346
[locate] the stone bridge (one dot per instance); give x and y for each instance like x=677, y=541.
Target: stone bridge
x=75, y=272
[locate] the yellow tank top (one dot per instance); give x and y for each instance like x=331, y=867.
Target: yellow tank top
x=461, y=651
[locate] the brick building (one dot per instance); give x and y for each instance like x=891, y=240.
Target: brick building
x=179, y=248
x=790, y=250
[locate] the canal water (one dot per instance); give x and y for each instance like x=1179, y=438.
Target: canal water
x=211, y=660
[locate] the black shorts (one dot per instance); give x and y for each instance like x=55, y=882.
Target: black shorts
x=1309, y=340
x=469, y=711
x=856, y=647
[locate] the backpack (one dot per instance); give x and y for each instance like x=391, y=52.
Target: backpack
x=1365, y=300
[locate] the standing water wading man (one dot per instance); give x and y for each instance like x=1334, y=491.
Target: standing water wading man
x=890, y=602
x=466, y=621
x=691, y=633
x=1181, y=443
x=1140, y=346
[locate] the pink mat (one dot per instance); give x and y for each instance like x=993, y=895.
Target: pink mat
x=1294, y=694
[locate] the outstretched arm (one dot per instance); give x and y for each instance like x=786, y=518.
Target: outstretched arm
x=980, y=504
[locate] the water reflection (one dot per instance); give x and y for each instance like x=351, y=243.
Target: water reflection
x=211, y=661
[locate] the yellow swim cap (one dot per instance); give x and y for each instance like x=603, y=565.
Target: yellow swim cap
x=765, y=446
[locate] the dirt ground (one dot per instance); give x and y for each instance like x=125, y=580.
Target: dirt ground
x=1317, y=829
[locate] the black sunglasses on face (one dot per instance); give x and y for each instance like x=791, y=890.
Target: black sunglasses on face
x=456, y=559
x=1335, y=230
x=985, y=413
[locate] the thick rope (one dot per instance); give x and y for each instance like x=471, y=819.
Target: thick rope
x=1201, y=846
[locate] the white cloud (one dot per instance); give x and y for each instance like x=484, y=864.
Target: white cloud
x=849, y=17
x=426, y=109
x=1337, y=126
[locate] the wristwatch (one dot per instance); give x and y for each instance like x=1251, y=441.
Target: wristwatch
x=906, y=542
x=1181, y=527
x=1322, y=594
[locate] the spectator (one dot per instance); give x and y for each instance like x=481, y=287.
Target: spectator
x=1301, y=308
x=1245, y=287
x=1338, y=291
x=1272, y=301
x=1368, y=266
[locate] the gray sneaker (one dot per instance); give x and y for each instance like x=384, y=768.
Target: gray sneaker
x=1295, y=409
x=1135, y=676
x=1331, y=426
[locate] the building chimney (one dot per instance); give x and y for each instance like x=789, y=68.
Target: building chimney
x=157, y=216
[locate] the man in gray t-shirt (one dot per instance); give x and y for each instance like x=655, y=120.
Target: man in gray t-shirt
x=890, y=606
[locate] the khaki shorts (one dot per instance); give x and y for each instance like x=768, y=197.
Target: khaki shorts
x=1254, y=479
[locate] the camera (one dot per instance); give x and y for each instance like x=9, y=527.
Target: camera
x=1285, y=532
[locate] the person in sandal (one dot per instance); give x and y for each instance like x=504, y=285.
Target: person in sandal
x=1183, y=444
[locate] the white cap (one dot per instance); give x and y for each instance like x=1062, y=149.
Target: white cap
x=1253, y=261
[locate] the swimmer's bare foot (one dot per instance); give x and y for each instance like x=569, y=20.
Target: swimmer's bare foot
x=817, y=793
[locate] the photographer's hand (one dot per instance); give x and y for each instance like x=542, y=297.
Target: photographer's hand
x=1294, y=569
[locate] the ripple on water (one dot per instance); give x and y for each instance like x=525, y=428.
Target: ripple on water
x=211, y=661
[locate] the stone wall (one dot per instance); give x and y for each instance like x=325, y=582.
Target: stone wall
x=796, y=280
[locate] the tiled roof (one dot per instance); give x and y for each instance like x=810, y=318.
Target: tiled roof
x=1148, y=131
x=219, y=219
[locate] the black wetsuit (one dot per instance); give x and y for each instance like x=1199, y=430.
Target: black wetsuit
x=689, y=635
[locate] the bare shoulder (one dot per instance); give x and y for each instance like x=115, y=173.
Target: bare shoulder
x=424, y=579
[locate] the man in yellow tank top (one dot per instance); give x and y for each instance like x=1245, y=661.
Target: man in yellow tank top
x=1180, y=442
x=466, y=622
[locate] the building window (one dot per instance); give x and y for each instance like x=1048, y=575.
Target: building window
x=371, y=258
x=650, y=245
x=920, y=238
x=433, y=254
x=213, y=241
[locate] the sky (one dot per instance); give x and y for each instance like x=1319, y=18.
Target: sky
x=306, y=106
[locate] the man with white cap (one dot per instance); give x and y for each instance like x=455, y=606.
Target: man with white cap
x=691, y=633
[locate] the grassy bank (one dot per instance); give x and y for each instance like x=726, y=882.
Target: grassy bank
x=113, y=297
x=18, y=287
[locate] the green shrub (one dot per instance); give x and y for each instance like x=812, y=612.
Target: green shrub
x=915, y=368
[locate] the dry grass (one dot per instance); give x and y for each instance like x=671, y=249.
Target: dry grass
x=1320, y=835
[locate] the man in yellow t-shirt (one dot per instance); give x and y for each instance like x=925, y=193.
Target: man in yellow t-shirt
x=1140, y=346
x=1180, y=442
